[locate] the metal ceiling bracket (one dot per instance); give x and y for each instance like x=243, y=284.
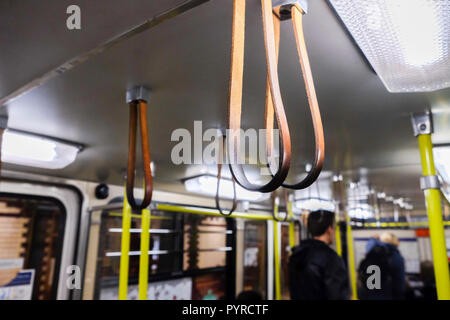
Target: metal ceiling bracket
x=429, y=182
x=422, y=123
x=139, y=93
x=282, y=8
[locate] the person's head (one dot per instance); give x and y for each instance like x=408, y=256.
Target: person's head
x=388, y=237
x=249, y=295
x=321, y=225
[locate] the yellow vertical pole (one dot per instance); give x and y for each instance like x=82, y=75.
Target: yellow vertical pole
x=125, y=249
x=338, y=238
x=351, y=259
x=436, y=225
x=277, y=257
x=143, y=260
x=291, y=225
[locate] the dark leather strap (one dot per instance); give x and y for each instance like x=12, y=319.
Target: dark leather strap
x=235, y=98
x=233, y=207
x=219, y=177
x=148, y=183
x=313, y=174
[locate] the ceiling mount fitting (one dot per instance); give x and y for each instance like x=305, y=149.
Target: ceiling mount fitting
x=138, y=93
x=283, y=8
x=422, y=123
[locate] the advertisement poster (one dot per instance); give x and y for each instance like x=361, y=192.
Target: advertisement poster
x=176, y=289
x=20, y=288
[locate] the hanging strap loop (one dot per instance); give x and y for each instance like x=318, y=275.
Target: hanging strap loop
x=141, y=106
x=235, y=98
x=234, y=206
x=297, y=21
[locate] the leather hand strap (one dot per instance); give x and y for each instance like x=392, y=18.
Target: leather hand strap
x=235, y=98
x=148, y=186
x=313, y=174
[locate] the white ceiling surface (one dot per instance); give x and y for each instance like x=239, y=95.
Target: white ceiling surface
x=185, y=61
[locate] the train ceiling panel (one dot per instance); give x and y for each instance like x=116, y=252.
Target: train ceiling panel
x=185, y=62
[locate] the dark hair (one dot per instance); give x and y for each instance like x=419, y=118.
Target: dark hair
x=249, y=295
x=319, y=221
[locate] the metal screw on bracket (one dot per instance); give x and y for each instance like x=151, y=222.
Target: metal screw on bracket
x=422, y=123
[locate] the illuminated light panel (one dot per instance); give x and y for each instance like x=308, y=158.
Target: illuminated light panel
x=407, y=42
x=363, y=211
x=29, y=150
x=318, y=196
x=314, y=204
x=442, y=162
x=207, y=185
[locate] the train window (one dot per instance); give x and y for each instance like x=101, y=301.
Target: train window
x=204, y=242
x=186, y=250
x=255, y=257
x=31, y=237
x=164, y=247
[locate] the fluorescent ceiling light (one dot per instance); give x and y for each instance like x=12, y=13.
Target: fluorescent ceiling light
x=314, y=204
x=363, y=211
x=407, y=42
x=207, y=185
x=34, y=151
x=318, y=196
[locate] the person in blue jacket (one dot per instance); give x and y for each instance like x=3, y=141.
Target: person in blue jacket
x=384, y=253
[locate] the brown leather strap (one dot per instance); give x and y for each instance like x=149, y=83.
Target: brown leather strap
x=148, y=183
x=269, y=112
x=313, y=174
x=235, y=99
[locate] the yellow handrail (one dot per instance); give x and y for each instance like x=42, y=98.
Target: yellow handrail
x=402, y=224
x=125, y=249
x=351, y=260
x=212, y=212
x=276, y=254
x=433, y=204
x=338, y=238
x=143, y=260
x=291, y=225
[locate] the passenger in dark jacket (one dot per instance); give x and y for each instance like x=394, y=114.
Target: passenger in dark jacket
x=384, y=254
x=316, y=272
